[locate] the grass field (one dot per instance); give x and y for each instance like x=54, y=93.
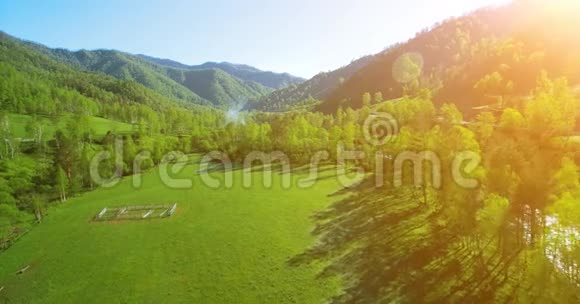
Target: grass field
x=221, y=246
x=99, y=125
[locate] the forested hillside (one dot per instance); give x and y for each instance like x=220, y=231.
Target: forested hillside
x=124, y=66
x=483, y=58
x=204, y=85
x=219, y=87
x=309, y=92
x=245, y=72
x=34, y=83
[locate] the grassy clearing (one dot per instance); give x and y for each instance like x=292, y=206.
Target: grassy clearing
x=221, y=246
x=99, y=125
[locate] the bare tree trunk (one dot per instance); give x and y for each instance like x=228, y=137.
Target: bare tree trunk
x=38, y=214
x=62, y=194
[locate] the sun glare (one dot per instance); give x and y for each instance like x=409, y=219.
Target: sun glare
x=560, y=4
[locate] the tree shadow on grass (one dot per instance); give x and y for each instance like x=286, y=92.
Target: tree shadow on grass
x=388, y=246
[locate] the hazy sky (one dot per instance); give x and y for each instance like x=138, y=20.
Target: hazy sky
x=302, y=37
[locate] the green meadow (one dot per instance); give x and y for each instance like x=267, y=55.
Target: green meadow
x=221, y=246
x=100, y=126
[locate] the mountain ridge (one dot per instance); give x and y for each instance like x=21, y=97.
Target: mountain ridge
x=222, y=89
x=243, y=71
x=316, y=88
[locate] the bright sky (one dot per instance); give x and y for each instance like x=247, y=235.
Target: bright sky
x=302, y=37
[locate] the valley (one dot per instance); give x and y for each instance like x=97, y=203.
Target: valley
x=443, y=167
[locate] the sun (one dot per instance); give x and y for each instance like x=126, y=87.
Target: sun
x=559, y=4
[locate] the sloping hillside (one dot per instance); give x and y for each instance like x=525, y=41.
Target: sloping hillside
x=186, y=85
x=319, y=87
x=478, y=59
x=218, y=86
x=33, y=83
x=265, y=78
x=245, y=72
x=124, y=66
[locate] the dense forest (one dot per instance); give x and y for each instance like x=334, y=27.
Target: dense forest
x=467, y=84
